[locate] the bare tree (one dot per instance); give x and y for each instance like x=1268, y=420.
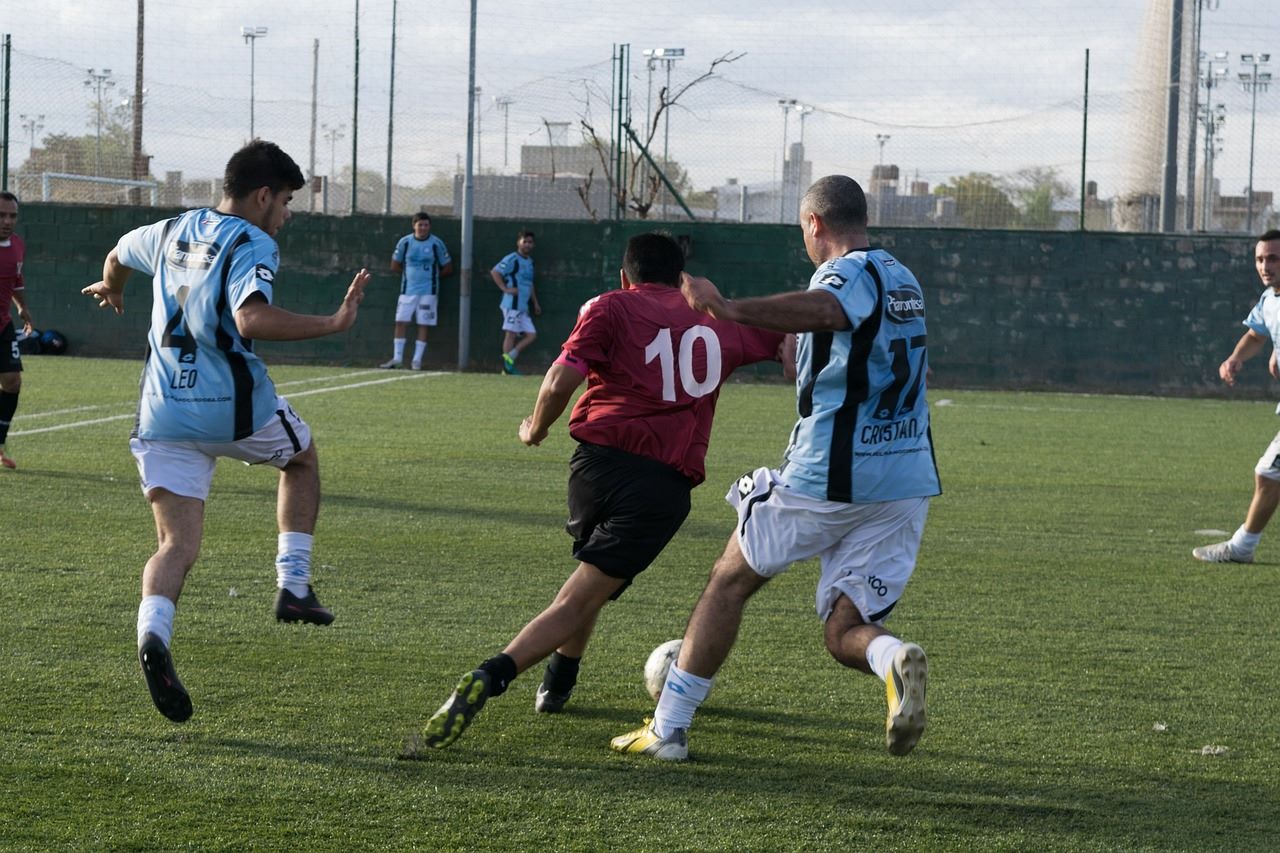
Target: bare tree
x=641, y=187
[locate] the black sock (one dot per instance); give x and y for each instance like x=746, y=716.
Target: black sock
x=8, y=405
x=502, y=671
x=561, y=674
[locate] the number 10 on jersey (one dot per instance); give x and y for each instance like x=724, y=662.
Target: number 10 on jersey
x=662, y=349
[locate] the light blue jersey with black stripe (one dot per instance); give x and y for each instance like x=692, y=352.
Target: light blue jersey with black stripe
x=202, y=380
x=863, y=432
x=422, y=261
x=517, y=271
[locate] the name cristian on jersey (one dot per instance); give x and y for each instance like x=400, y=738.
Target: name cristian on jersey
x=887, y=433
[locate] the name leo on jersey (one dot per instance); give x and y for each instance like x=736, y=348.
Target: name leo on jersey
x=894, y=431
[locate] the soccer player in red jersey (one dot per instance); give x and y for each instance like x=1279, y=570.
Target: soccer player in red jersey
x=12, y=251
x=653, y=368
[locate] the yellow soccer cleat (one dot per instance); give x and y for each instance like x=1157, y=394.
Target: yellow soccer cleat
x=645, y=741
x=905, y=690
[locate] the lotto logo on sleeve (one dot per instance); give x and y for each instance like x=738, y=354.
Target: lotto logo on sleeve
x=265, y=273
x=833, y=280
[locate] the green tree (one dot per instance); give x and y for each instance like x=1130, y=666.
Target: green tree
x=1036, y=190
x=981, y=201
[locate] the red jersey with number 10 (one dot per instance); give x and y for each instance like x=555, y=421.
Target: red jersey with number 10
x=654, y=368
x=10, y=275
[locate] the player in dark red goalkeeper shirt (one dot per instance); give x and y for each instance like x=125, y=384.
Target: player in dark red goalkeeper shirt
x=12, y=250
x=653, y=368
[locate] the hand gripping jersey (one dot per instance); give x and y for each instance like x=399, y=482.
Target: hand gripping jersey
x=201, y=380
x=517, y=272
x=863, y=433
x=11, y=256
x=422, y=261
x=654, y=368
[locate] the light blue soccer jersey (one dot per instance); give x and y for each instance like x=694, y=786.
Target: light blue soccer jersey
x=517, y=272
x=422, y=261
x=201, y=380
x=1265, y=316
x=863, y=433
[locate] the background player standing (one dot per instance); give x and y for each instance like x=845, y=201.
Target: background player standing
x=422, y=260
x=1263, y=325
x=12, y=252
x=205, y=394
x=514, y=277
x=653, y=368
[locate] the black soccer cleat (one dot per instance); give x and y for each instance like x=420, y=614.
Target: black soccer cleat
x=290, y=608
x=548, y=701
x=167, y=692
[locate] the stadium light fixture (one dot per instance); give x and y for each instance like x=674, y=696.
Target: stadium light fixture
x=787, y=104
x=32, y=125
x=251, y=36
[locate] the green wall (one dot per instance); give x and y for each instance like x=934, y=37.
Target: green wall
x=1007, y=309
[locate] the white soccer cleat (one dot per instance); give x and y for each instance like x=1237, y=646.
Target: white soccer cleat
x=905, y=691
x=1221, y=552
x=390, y=364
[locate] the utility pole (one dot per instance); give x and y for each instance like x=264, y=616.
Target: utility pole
x=504, y=103
x=464, y=273
x=311, y=158
x=1169, y=189
x=140, y=165
x=251, y=36
x=98, y=81
x=1251, y=81
x=787, y=105
x=355, y=117
x=391, y=108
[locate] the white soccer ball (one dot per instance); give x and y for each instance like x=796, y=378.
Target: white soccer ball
x=657, y=666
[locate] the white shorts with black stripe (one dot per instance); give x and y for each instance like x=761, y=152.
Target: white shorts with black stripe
x=867, y=551
x=186, y=467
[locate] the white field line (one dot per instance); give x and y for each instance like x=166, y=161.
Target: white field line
x=94, y=421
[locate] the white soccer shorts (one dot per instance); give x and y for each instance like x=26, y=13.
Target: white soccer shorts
x=1269, y=465
x=420, y=309
x=867, y=551
x=517, y=321
x=186, y=467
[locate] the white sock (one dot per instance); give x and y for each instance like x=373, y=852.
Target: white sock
x=398, y=351
x=293, y=562
x=155, y=616
x=880, y=652
x=1245, y=541
x=419, y=350
x=514, y=353
x=681, y=696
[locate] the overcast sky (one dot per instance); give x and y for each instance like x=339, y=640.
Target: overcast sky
x=969, y=85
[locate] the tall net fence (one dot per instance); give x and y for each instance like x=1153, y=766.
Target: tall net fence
x=980, y=115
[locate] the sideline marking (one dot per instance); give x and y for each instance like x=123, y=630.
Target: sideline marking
x=399, y=378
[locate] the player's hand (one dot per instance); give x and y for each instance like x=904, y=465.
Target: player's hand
x=346, y=313
x=1273, y=367
x=700, y=293
x=28, y=325
x=105, y=296
x=537, y=310
x=528, y=436
x=1228, y=370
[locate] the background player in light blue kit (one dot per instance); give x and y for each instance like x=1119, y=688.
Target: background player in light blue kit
x=855, y=487
x=206, y=394
x=422, y=260
x=1263, y=325
x=514, y=277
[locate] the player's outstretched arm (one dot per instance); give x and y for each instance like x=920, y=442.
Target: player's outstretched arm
x=553, y=397
x=258, y=319
x=1250, y=344
x=799, y=311
x=109, y=292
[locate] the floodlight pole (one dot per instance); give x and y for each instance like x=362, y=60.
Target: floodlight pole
x=391, y=107
x=1252, y=81
x=787, y=105
x=464, y=273
x=251, y=36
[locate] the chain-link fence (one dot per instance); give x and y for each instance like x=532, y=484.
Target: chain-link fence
x=978, y=115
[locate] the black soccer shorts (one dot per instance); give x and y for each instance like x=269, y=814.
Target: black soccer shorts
x=623, y=509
